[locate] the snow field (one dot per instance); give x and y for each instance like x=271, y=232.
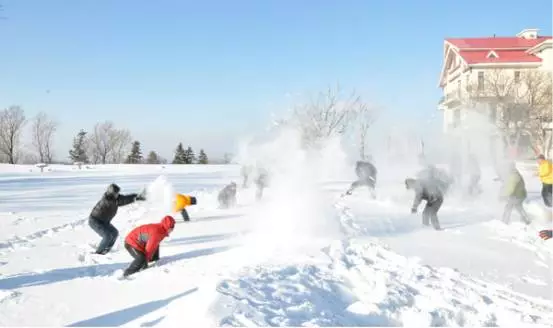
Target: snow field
x=300, y=256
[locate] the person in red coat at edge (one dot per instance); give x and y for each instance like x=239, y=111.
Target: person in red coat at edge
x=546, y=234
x=143, y=243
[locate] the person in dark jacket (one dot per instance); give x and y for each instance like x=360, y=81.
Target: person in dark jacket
x=366, y=176
x=104, y=211
x=514, y=191
x=437, y=177
x=142, y=243
x=432, y=194
x=227, y=196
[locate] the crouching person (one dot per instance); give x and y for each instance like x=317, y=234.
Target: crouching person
x=426, y=190
x=181, y=203
x=103, y=213
x=227, y=196
x=366, y=176
x=143, y=243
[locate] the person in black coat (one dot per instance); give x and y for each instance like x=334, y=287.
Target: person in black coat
x=227, y=196
x=366, y=176
x=104, y=211
x=429, y=191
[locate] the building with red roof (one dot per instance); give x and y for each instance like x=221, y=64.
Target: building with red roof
x=469, y=62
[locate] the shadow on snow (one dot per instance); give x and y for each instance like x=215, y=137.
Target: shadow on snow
x=65, y=274
x=124, y=316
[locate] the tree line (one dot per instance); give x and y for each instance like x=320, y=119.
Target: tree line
x=105, y=144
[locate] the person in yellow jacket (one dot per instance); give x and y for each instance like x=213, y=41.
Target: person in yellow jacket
x=182, y=202
x=545, y=172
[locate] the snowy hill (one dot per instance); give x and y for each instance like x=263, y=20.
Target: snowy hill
x=300, y=256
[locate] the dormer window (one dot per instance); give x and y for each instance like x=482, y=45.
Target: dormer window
x=529, y=33
x=492, y=54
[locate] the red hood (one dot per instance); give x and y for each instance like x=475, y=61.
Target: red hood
x=168, y=223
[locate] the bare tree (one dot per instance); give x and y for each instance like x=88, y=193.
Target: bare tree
x=121, y=140
x=365, y=117
x=520, y=105
x=330, y=113
x=108, y=144
x=12, y=121
x=43, y=130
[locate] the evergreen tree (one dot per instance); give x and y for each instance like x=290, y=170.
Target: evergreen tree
x=78, y=153
x=135, y=157
x=189, y=156
x=180, y=155
x=153, y=158
x=202, y=158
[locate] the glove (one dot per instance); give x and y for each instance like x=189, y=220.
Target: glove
x=413, y=211
x=141, y=196
x=546, y=234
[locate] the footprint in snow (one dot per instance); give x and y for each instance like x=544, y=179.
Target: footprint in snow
x=6, y=296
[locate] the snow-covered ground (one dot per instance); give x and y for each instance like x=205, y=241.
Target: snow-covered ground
x=301, y=256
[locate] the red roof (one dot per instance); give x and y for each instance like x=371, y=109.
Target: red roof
x=496, y=43
x=508, y=49
x=503, y=56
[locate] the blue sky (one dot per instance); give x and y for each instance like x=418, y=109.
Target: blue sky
x=206, y=73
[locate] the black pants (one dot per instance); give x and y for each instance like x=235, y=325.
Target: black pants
x=515, y=203
x=108, y=233
x=546, y=194
x=430, y=213
x=139, y=263
x=185, y=215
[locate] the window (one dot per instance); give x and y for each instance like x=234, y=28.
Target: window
x=480, y=81
x=517, y=76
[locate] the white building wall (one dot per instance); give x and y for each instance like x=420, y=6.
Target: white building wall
x=547, y=59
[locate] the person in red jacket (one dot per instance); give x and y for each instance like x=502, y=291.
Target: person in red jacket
x=143, y=243
x=546, y=234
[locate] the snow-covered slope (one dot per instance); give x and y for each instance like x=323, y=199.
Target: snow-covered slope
x=300, y=256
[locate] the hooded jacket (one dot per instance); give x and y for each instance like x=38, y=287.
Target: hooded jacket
x=426, y=190
x=183, y=201
x=146, y=238
x=106, y=208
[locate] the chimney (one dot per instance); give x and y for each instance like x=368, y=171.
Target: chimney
x=529, y=33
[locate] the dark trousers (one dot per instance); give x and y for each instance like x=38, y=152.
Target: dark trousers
x=430, y=213
x=139, y=260
x=108, y=233
x=515, y=203
x=546, y=194
x=185, y=215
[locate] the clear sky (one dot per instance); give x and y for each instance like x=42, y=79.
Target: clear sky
x=206, y=72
